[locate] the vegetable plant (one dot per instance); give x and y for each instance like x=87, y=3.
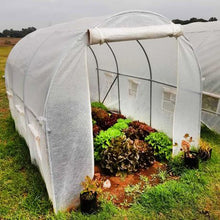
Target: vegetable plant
x=162, y=145
x=103, y=140
x=99, y=105
x=146, y=154
x=138, y=130
x=88, y=196
x=96, y=130
x=191, y=158
x=205, y=150
x=105, y=119
x=90, y=186
x=120, y=156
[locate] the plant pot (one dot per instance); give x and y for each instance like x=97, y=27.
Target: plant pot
x=191, y=160
x=205, y=155
x=88, y=203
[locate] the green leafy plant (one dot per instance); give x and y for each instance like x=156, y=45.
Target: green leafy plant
x=90, y=187
x=99, y=105
x=121, y=124
x=103, y=140
x=162, y=176
x=93, y=122
x=134, y=190
x=120, y=156
x=162, y=145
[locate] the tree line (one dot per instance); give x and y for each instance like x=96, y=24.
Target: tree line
x=24, y=31
x=192, y=20
x=17, y=33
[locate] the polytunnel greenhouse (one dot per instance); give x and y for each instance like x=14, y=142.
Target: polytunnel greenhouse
x=137, y=63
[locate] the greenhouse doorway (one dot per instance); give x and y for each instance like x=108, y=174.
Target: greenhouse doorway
x=126, y=77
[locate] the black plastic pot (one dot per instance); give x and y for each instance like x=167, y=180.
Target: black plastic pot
x=204, y=155
x=191, y=160
x=88, y=203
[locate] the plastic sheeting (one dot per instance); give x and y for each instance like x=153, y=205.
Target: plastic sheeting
x=52, y=74
x=204, y=38
x=101, y=35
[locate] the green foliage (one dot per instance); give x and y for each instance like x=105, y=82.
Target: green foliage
x=176, y=165
x=162, y=145
x=121, y=124
x=103, y=140
x=93, y=122
x=91, y=187
x=120, y=156
x=99, y=105
x=162, y=176
x=134, y=190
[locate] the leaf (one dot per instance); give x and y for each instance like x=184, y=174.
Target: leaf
x=186, y=135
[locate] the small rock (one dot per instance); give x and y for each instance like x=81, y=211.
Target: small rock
x=107, y=184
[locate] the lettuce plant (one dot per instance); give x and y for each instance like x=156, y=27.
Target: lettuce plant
x=103, y=140
x=99, y=105
x=162, y=145
x=138, y=130
x=146, y=154
x=120, y=156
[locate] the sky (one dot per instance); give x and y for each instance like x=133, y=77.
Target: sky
x=19, y=14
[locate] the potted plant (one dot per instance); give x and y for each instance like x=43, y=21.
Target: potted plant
x=191, y=156
x=205, y=150
x=88, y=196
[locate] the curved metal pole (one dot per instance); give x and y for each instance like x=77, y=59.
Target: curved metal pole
x=117, y=69
x=97, y=69
x=151, y=79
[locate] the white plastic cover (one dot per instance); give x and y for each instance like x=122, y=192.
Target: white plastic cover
x=52, y=74
x=204, y=38
x=101, y=35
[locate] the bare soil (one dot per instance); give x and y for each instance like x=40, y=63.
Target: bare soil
x=8, y=41
x=119, y=183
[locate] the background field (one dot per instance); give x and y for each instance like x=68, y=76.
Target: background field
x=23, y=194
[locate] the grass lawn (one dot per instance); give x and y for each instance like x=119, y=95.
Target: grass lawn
x=196, y=195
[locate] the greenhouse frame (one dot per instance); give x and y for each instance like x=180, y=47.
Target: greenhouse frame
x=136, y=62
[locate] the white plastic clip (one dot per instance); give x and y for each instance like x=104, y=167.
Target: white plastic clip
x=10, y=94
x=19, y=109
x=34, y=132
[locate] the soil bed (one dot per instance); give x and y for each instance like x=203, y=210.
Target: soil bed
x=118, y=183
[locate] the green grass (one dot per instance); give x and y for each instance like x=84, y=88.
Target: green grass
x=23, y=194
